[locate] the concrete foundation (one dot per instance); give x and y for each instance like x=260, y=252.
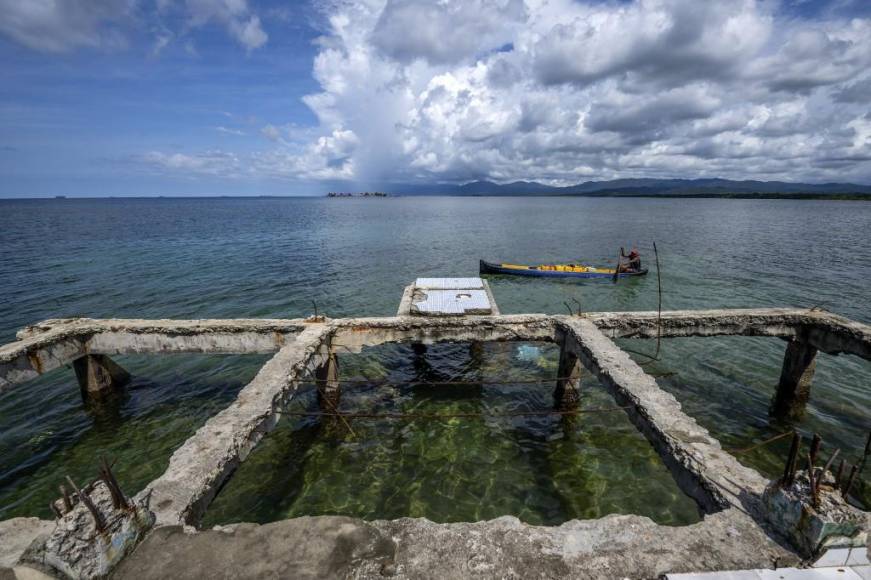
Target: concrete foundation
x=830, y=524
x=99, y=376
x=327, y=382
x=741, y=528
x=55, y=343
x=567, y=394
x=793, y=390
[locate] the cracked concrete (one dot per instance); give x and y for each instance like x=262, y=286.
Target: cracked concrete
x=702, y=469
x=198, y=468
x=54, y=343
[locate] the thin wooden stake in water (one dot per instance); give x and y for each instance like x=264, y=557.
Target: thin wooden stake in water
x=846, y=489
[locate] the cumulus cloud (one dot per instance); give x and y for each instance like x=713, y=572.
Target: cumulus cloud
x=446, y=32
x=563, y=90
x=65, y=25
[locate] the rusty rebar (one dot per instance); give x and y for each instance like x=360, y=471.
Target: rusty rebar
x=118, y=498
x=826, y=468
x=815, y=498
x=816, y=444
x=845, y=491
x=840, y=473
x=56, y=511
x=99, y=520
x=791, y=458
x=65, y=495
x=758, y=445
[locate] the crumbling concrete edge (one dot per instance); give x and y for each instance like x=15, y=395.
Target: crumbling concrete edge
x=203, y=463
x=57, y=342
x=698, y=463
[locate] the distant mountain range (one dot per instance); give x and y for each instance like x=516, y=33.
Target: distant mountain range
x=644, y=187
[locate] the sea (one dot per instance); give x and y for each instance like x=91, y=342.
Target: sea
x=287, y=257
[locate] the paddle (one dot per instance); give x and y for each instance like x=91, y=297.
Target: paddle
x=617, y=269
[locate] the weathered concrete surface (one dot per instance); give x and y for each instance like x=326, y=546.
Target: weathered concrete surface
x=17, y=534
x=832, y=523
x=336, y=547
x=199, y=467
x=57, y=342
x=234, y=336
x=833, y=334
x=301, y=548
x=28, y=358
x=699, y=464
x=823, y=330
x=354, y=333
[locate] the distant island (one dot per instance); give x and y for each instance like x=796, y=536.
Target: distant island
x=363, y=194
x=647, y=187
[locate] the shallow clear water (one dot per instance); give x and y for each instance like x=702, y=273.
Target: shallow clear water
x=272, y=257
x=544, y=469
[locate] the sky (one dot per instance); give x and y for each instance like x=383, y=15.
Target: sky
x=260, y=97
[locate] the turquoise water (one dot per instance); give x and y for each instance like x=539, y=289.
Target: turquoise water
x=200, y=258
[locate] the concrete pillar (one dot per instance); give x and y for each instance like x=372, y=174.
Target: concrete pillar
x=327, y=381
x=567, y=394
x=793, y=391
x=476, y=354
x=98, y=375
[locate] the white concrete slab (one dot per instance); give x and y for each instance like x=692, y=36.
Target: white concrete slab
x=449, y=283
x=833, y=557
x=858, y=557
x=832, y=573
x=453, y=302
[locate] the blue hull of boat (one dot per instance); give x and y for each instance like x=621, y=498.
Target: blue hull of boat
x=491, y=268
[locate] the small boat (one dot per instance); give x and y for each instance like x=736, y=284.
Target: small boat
x=555, y=270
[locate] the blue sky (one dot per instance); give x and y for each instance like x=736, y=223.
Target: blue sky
x=236, y=97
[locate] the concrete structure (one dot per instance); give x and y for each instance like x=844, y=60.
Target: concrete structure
x=447, y=297
x=739, y=531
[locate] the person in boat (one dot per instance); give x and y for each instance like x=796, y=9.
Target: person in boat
x=630, y=262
